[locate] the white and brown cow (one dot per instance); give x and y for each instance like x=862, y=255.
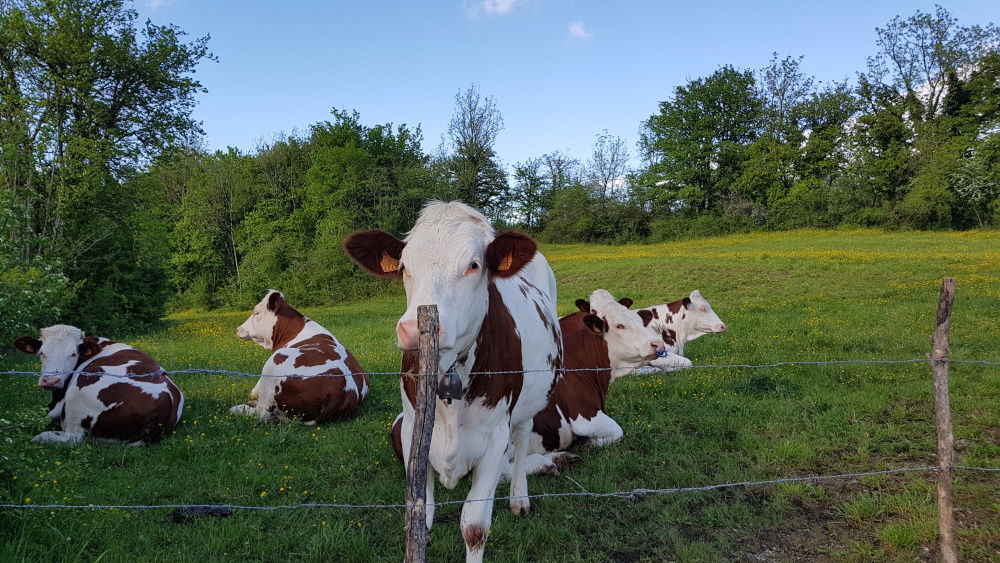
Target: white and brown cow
x=309, y=375
x=678, y=323
x=106, y=388
x=496, y=303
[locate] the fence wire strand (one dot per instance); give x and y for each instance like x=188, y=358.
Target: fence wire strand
x=583, y=493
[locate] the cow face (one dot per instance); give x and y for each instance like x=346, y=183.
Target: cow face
x=448, y=260
x=61, y=349
x=260, y=326
x=628, y=340
x=706, y=320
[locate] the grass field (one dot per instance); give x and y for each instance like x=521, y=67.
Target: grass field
x=789, y=297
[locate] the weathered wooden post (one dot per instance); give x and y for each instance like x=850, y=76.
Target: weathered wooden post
x=939, y=365
x=417, y=468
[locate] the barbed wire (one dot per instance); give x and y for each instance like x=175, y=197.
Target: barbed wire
x=637, y=370
x=631, y=494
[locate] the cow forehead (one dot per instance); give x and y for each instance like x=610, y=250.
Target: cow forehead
x=621, y=315
x=451, y=243
x=60, y=336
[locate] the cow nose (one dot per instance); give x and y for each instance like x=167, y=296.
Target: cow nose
x=722, y=327
x=408, y=335
x=659, y=347
x=49, y=382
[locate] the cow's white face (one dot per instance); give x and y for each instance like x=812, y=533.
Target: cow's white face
x=259, y=327
x=629, y=341
x=58, y=350
x=705, y=319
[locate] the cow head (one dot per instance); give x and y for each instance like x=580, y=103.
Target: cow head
x=268, y=319
x=706, y=320
x=61, y=349
x=448, y=260
x=629, y=342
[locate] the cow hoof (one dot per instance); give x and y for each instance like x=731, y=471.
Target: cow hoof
x=520, y=507
x=548, y=470
x=566, y=459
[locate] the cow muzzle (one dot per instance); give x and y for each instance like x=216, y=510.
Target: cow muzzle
x=449, y=386
x=51, y=382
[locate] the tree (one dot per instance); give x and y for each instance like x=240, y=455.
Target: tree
x=84, y=101
x=474, y=170
x=696, y=144
x=608, y=167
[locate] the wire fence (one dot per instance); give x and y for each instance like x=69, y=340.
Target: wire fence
x=625, y=494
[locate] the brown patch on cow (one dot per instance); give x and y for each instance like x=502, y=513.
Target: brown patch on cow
x=475, y=536
x=656, y=314
x=136, y=416
x=318, y=399
x=676, y=306
x=396, y=437
x=87, y=422
x=646, y=315
x=288, y=324
x=669, y=337
x=279, y=359
x=542, y=315
x=574, y=321
x=582, y=391
x=409, y=366
x=85, y=379
x=498, y=348
x=316, y=351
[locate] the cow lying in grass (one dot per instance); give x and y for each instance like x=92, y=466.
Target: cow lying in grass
x=106, y=388
x=678, y=323
x=310, y=374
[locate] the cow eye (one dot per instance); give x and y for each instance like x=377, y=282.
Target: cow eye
x=473, y=267
x=620, y=326
x=704, y=310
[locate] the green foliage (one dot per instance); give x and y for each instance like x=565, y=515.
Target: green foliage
x=31, y=296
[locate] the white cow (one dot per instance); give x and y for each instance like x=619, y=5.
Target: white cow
x=106, y=388
x=678, y=323
x=310, y=374
x=496, y=302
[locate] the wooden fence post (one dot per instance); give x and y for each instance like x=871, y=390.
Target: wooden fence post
x=938, y=357
x=417, y=469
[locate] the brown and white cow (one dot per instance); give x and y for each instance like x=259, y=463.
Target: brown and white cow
x=678, y=323
x=106, y=388
x=310, y=374
x=496, y=303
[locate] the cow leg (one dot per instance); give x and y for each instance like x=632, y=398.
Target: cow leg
x=477, y=512
x=671, y=362
x=519, y=502
x=601, y=429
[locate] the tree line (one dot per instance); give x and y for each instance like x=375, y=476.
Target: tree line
x=112, y=211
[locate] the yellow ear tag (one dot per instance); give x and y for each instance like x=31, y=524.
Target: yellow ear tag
x=389, y=264
x=506, y=262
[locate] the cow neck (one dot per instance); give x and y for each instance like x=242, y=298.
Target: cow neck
x=288, y=324
x=599, y=379
x=498, y=348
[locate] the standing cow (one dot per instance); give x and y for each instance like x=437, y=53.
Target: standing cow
x=496, y=303
x=309, y=374
x=107, y=388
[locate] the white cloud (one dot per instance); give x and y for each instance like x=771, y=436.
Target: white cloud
x=578, y=30
x=154, y=4
x=498, y=7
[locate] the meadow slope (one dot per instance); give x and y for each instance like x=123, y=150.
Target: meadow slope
x=802, y=296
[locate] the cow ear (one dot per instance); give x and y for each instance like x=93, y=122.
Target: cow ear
x=274, y=301
x=646, y=315
x=376, y=251
x=583, y=305
x=88, y=349
x=687, y=302
x=594, y=323
x=626, y=302
x=28, y=344
x=509, y=252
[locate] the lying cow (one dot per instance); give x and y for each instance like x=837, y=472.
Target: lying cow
x=496, y=304
x=106, y=388
x=678, y=323
x=309, y=374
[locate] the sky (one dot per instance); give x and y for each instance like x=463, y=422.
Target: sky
x=561, y=72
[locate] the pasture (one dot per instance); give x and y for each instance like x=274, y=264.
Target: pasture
x=802, y=296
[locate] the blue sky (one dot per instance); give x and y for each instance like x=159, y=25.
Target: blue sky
x=560, y=71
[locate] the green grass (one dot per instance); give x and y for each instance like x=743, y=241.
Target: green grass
x=788, y=297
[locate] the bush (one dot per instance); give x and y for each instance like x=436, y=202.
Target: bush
x=31, y=297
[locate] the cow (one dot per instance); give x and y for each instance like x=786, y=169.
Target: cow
x=309, y=375
x=614, y=341
x=611, y=343
x=678, y=323
x=106, y=388
x=495, y=295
